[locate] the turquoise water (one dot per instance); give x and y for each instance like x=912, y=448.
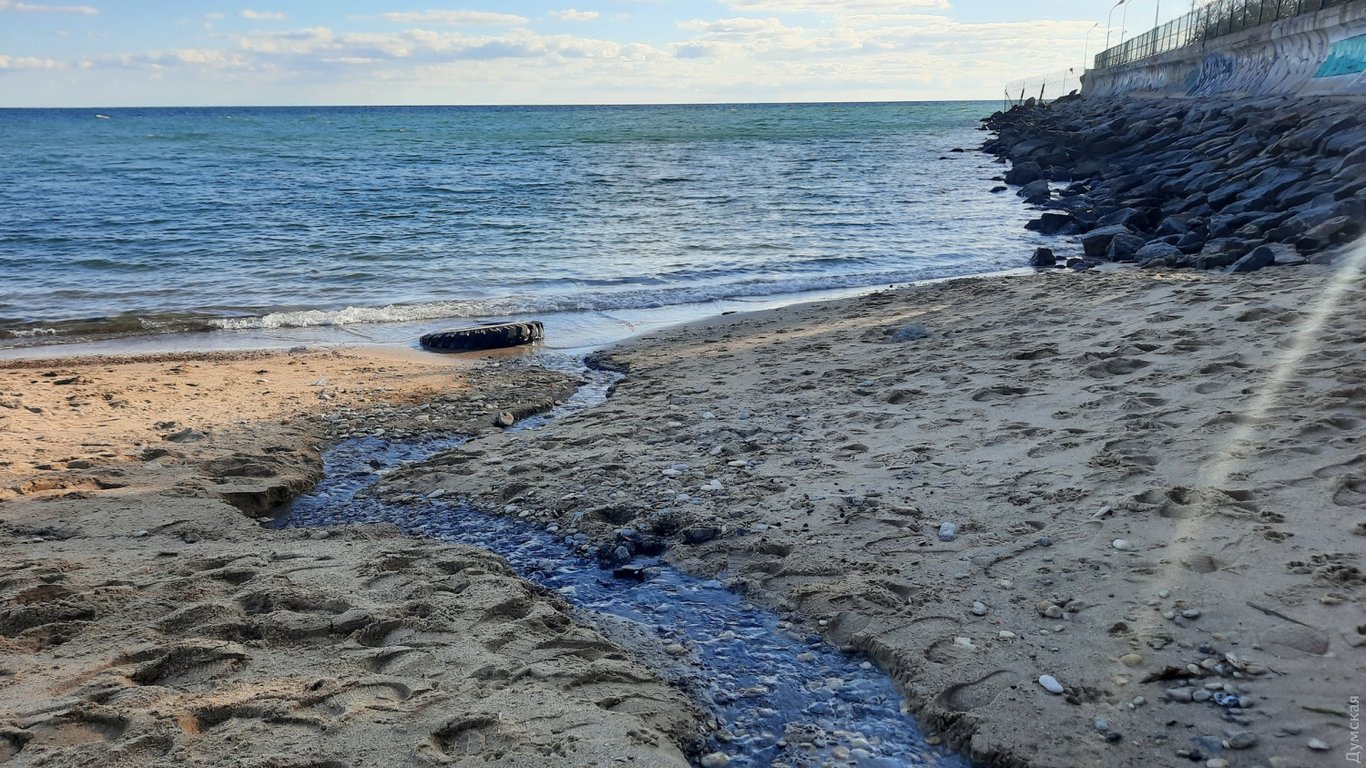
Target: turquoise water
x=135, y=221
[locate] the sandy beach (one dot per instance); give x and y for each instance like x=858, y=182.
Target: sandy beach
x=146, y=618
x=1145, y=485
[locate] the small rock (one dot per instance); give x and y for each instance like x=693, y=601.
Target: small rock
x=1051, y=684
x=1318, y=745
x=504, y=419
x=979, y=609
x=714, y=760
x=1130, y=659
x=1053, y=612
x=1122, y=545
x=1191, y=613
x=948, y=531
x=1242, y=740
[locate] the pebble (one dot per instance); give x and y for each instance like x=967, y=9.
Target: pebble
x=1053, y=612
x=1216, y=762
x=715, y=760
x=1006, y=634
x=1242, y=740
x=1102, y=724
x=1122, y=545
x=948, y=531
x=1191, y=613
x=1130, y=659
x=1319, y=745
x=1050, y=684
x=1201, y=695
x=979, y=608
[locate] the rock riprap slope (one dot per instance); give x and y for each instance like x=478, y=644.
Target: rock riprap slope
x=1208, y=184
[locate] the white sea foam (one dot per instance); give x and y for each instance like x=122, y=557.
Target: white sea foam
x=477, y=309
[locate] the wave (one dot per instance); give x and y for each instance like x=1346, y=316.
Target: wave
x=607, y=301
x=573, y=300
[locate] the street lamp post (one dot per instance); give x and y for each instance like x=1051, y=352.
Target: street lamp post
x=1086, y=47
x=1123, y=23
x=1110, y=22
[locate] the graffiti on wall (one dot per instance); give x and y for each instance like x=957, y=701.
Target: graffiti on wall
x=1346, y=57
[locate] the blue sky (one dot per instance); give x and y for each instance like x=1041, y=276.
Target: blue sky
x=160, y=53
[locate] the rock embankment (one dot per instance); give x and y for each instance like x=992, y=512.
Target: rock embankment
x=1208, y=184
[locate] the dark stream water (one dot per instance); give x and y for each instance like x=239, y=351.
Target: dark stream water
x=779, y=697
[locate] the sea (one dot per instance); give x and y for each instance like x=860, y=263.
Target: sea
x=220, y=228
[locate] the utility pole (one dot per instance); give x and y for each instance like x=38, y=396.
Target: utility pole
x=1086, y=48
x=1110, y=22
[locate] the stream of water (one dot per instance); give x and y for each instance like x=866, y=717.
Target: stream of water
x=780, y=697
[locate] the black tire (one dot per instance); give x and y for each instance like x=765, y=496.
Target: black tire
x=484, y=337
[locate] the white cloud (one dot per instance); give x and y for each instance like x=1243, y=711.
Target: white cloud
x=836, y=7
x=573, y=14
x=870, y=50
x=456, y=18
x=27, y=63
x=263, y=15
x=11, y=5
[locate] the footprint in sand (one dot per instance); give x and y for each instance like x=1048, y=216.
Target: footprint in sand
x=484, y=735
x=979, y=693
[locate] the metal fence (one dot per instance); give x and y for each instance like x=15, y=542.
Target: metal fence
x=1043, y=88
x=1219, y=18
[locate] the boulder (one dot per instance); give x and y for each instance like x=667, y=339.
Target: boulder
x=1259, y=258
x=1122, y=216
x=1024, y=173
x=1124, y=247
x=1156, y=253
x=1053, y=224
x=1043, y=257
x=1097, y=241
x=1036, y=191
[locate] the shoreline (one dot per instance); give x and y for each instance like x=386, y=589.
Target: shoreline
x=568, y=333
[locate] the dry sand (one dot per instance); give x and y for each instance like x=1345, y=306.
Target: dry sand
x=1158, y=485
x=146, y=621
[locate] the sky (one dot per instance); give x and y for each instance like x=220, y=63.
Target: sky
x=90, y=53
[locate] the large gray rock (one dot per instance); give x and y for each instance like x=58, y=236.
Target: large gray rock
x=1124, y=247
x=1122, y=216
x=1260, y=258
x=1036, y=191
x=1053, y=224
x=1097, y=241
x=1024, y=173
x=1156, y=253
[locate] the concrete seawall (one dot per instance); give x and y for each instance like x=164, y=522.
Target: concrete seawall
x=1321, y=53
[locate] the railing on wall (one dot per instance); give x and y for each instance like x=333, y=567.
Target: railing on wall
x=1043, y=88
x=1219, y=18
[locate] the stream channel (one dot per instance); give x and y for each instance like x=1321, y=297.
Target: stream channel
x=778, y=697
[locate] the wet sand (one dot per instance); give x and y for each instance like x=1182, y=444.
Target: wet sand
x=1145, y=485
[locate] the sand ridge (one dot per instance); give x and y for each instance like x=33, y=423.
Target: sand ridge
x=1153, y=483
